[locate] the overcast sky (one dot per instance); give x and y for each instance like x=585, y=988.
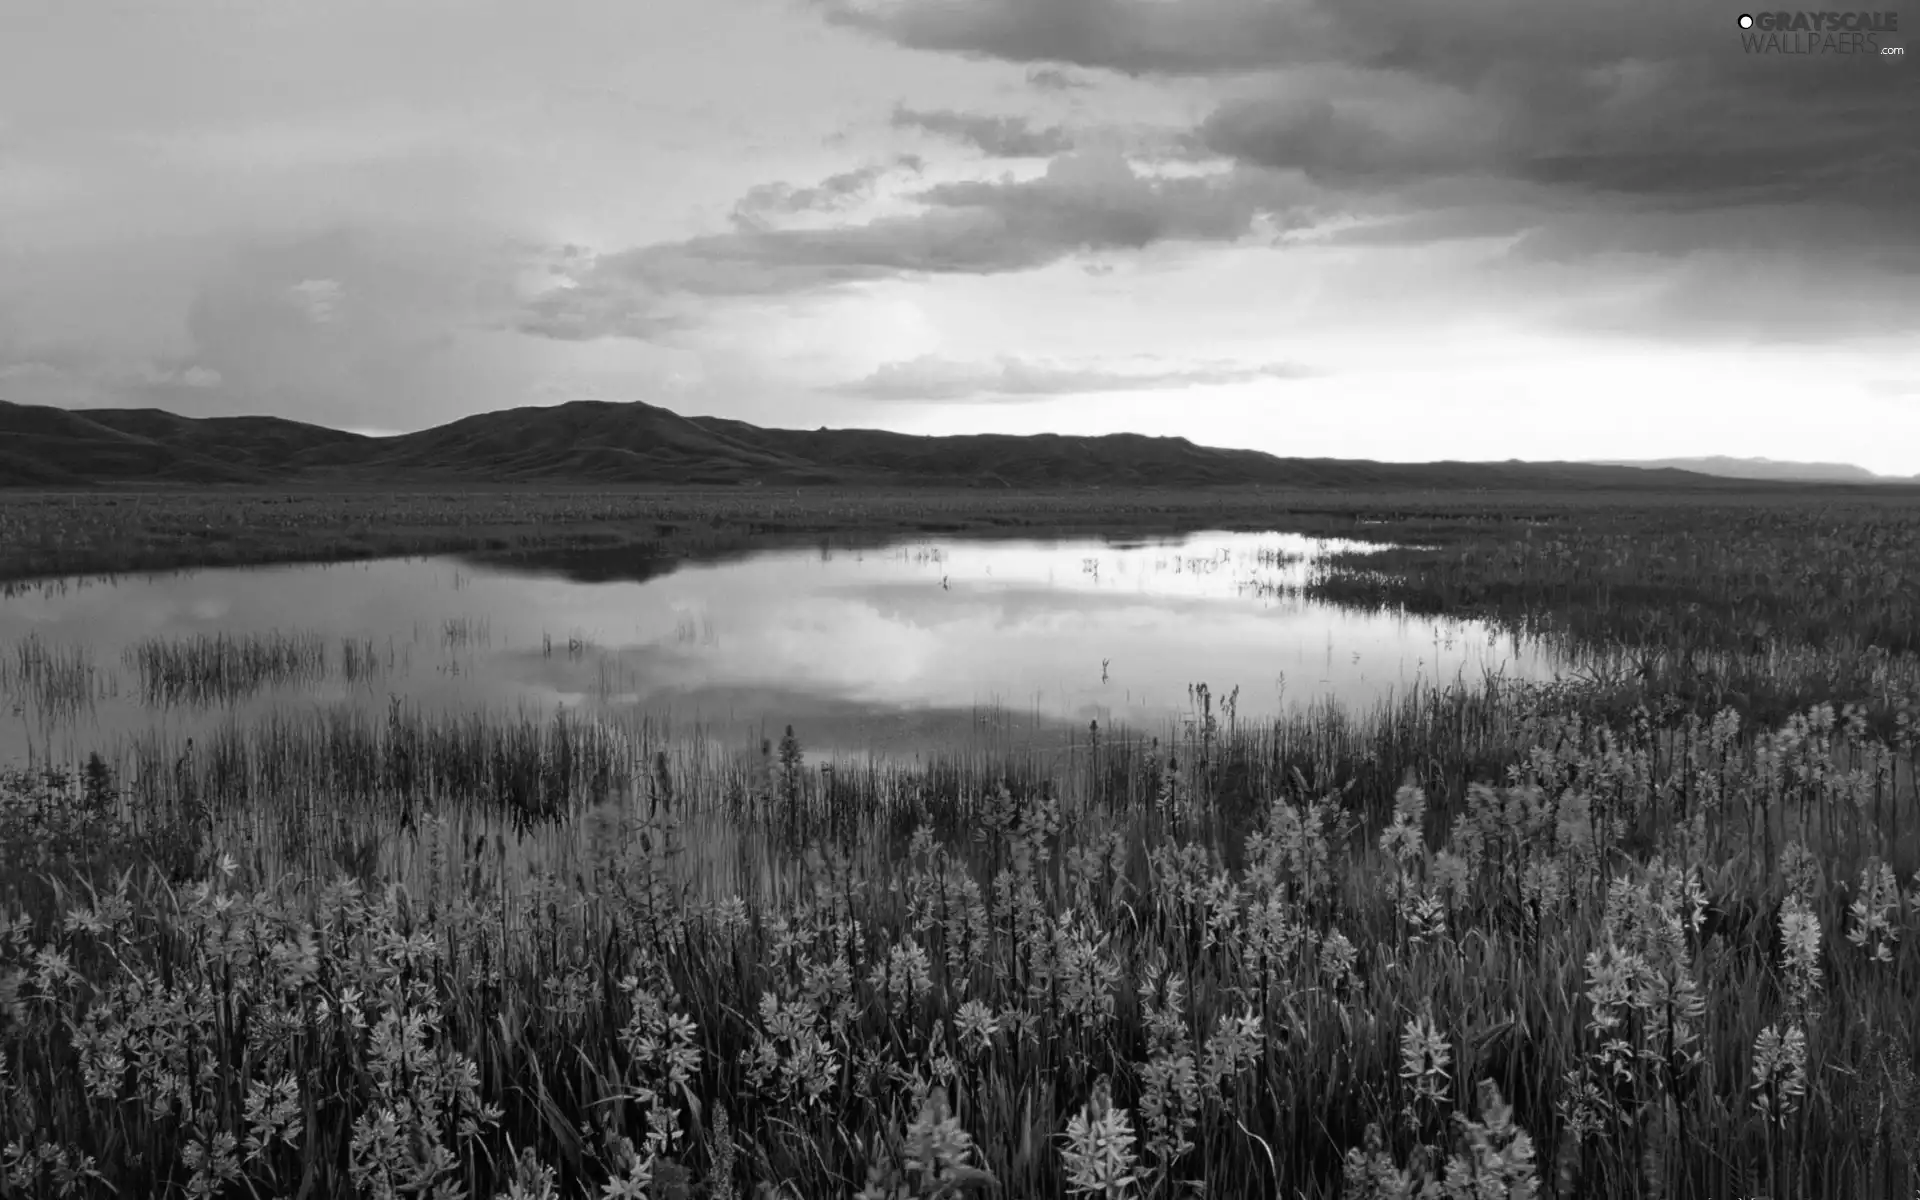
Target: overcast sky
x=1399, y=229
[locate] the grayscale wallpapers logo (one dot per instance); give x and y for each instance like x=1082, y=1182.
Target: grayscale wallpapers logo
x=1849, y=33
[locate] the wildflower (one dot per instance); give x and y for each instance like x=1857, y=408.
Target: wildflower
x=1498, y=1160
x=1800, y=939
x=1169, y=1104
x=1372, y=1175
x=1426, y=1059
x=210, y=1157
x=1099, y=1155
x=1874, y=910
x=1337, y=958
x=791, y=1057
x=976, y=1026
x=1403, y=839
x=1450, y=876
x=1424, y=914
x=939, y=1151
x=1234, y=1048
x=1779, y=1071
x=633, y=1175
x=904, y=977
x=730, y=915
x=935, y=1161
x=531, y=1179
x=272, y=1114
x=1801, y=869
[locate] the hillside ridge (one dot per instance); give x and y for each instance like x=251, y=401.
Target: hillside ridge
x=614, y=443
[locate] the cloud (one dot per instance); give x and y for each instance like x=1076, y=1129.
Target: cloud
x=1636, y=98
x=81, y=376
x=1718, y=296
x=1452, y=222
x=1000, y=136
x=318, y=298
x=930, y=378
x=1085, y=202
x=1365, y=139
x=1134, y=36
x=348, y=326
x=601, y=309
x=832, y=194
x=1053, y=79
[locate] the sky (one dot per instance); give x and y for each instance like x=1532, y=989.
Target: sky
x=1392, y=229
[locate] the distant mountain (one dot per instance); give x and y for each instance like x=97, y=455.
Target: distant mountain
x=591, y=442
x=1766, y=468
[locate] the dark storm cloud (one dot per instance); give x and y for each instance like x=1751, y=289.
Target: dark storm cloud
x=1338, y=144
x=1013, y=380
x=1778, y=274
x=1083, y=202
x=1636, y=97
x=1848, y=238
x=1135, y=36
x=1000, y=136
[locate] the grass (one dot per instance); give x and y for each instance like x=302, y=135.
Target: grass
x=1650, y=932
x=1702, y=591
x=59, y=681
x=618, y=531
x=1706, y=603
x=219, y=668
x=1479, y=937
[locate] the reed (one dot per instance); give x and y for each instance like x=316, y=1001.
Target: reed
x=60, y=682
x=221, y=668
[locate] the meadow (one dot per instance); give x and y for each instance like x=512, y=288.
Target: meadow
x=1649, y=931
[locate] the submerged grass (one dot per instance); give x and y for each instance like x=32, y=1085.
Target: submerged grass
x=220, y=668
x=59, y=681
x=1481, y=943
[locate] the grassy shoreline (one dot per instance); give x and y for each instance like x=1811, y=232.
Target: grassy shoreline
x=1688, y=595
x=45, y=534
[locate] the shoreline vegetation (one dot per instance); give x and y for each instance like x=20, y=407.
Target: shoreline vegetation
x=1649, y=931
x=1692, y=596
x=44, y=534
x=1475, y=938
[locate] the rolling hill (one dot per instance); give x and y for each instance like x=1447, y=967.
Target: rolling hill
x=592, y=442
x=1766, y=468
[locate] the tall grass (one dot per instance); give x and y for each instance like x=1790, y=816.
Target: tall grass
x=1704, y=603
x=1481, y=941
x=59, y=681
x=220, y=668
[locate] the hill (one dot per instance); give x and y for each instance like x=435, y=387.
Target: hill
x=604, y=443
x=1772, y=469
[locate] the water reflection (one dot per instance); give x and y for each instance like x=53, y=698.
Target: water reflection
x=890, y=649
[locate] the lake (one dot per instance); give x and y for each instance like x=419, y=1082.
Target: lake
x=891, y=651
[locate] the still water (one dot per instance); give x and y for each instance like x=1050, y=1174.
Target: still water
x=887, y=651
